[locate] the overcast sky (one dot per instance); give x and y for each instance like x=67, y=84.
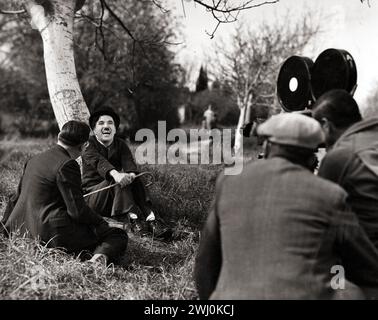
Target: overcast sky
x=347, y=24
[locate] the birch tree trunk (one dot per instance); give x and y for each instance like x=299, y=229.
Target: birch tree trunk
x=54, y=21
x=238, y=133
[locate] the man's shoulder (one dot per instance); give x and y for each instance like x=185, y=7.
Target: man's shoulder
x=120, y=140
x=69, y=167
x=360, y=136
x=121, y=144
x=48, y=162
x=53, y=155
x=339, y=153
x=330, y=187
x=92, y=140
x=336, y=159
x=277, y=172
x=256, y=170
x=93, y=145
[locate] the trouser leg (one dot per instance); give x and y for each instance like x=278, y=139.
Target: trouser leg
x=112, y=243
x=102, y=201
x=118, y=201
x=123, y=201
x=84, y=239
x=142, y=197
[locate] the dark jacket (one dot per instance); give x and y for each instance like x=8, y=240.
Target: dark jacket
x=275, y=232
x=99, y=160
x=49, y=202
x=353, y=164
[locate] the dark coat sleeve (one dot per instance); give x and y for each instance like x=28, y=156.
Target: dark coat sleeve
x=97, y=161
x=358, y=254
x=209, y=259
x=69, y=184
x=127, y=160
x=12, y=201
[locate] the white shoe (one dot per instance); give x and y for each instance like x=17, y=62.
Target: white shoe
x=133, y=216
x=99, y=259
x=151, y=217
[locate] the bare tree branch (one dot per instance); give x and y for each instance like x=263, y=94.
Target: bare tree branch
x=212, y=34
x=250, y=64
x=367, y=1
x=183, y=7
x=223, y=6
x=160, y=6
x=101, y=47
x=226, y=11
x=117, y=18
x=135, y=41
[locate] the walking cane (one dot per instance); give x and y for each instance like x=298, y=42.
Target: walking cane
x=116, y=224
x=115, y=184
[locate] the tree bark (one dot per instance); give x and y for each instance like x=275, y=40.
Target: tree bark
x=54, y=20
x=238, y=133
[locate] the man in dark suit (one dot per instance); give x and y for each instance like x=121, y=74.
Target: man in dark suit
x=108, y=160
x=277, y=231
x=49, y=202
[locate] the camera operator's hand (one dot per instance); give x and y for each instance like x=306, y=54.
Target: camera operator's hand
x=313, y=163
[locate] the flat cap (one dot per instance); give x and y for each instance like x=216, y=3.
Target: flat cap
x=292, y=129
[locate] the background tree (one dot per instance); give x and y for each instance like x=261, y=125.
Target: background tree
x=136, y=75
x=249, y=65
x=141, y=81
x=221, y=100
x=202, y=80
x=23, y=91
x=54, y=21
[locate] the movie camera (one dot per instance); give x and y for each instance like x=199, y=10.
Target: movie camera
x=301, y=81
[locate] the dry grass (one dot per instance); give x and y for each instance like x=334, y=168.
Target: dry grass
x=31, y=271
x=149, y=270
x=181, y=194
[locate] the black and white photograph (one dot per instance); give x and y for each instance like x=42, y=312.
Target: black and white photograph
x=188, y=154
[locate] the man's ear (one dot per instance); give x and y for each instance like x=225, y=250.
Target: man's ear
x=326, y=124
x=330, y=131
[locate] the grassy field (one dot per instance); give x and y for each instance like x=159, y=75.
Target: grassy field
x=150, y=269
